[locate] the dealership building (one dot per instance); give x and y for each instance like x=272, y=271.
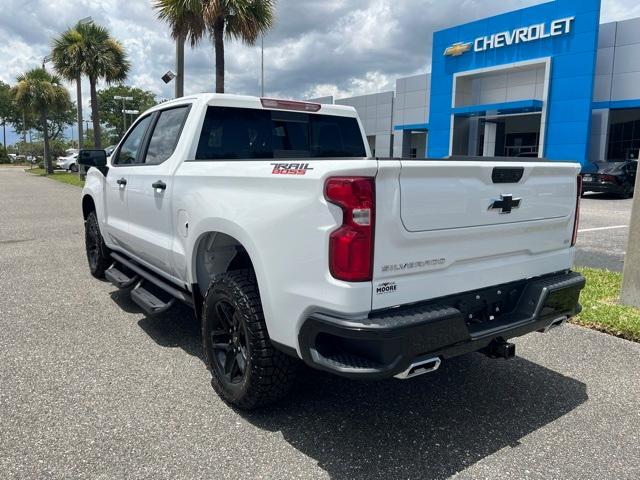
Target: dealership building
x=548, y=81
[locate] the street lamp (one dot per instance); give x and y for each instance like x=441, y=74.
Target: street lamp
x=124, y=108
x=168, y=77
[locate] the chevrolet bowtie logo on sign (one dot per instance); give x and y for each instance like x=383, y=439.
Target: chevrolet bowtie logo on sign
x=457, y=49
x=532, y=33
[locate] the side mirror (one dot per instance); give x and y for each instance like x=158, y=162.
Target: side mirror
x=93, y=158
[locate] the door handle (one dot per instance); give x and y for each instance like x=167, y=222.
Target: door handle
x=159, y=185
x=122, y=182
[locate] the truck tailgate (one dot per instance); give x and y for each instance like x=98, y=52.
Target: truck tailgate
x=446, y=227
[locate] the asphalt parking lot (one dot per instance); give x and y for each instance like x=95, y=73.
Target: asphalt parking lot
x=91, y=388
x=604, y=229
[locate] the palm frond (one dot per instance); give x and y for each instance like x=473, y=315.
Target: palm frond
x=248, y=19
x=185, y=17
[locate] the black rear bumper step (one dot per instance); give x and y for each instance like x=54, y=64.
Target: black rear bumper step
x=151, y=304
x=389, y=341
x=119, y=278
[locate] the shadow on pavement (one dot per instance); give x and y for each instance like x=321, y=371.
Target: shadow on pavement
x=176, y=328
x=592, y=258
x=427, y=428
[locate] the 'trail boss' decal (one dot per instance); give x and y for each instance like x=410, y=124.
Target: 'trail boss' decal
x=290, y=168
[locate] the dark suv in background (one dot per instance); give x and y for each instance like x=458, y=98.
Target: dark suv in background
x=617, y=178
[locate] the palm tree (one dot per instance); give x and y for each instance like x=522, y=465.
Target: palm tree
x=103, y=57
x=243, y=20
x=68, y=57
x=41, y=94
x=187, y=23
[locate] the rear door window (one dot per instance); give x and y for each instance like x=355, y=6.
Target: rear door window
x=245, y=134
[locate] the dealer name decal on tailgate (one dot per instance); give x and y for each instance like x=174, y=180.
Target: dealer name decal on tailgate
x=291, y=168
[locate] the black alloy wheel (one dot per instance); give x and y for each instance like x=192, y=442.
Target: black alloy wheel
x=229, y=343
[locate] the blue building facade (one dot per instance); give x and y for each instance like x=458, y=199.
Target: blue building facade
x=545, y=81
x=553, y=46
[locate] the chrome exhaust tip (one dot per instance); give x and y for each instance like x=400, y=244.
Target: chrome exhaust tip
x=558, y=322
x=420, y=368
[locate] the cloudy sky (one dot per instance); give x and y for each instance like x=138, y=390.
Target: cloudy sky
x=318, y=47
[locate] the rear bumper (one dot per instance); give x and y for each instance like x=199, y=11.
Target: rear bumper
x=603, y=188
x=389, y=341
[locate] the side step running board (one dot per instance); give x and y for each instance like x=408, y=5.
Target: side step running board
x=181, y=295
x=146, y=300
x=120, y=279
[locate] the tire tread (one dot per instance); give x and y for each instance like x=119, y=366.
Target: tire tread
x=272, y=373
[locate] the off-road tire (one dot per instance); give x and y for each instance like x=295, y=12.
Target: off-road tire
x=98, y=254
x=268, y=374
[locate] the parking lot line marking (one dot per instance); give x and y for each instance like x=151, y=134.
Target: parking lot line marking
x=600, y=229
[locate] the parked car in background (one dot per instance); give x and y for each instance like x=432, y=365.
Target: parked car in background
x=617, y=178
x=69, y=163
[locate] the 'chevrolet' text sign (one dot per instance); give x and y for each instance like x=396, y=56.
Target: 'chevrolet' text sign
x=531, y=33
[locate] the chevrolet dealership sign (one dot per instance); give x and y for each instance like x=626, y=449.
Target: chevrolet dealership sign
x=531, y=33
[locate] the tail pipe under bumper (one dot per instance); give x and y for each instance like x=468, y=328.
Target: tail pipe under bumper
x=406, y=342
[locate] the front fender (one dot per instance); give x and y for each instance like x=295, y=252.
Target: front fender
x=94, y=187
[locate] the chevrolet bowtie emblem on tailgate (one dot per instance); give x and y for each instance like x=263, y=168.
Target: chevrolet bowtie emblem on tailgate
x=457, y=49
x=506, y=204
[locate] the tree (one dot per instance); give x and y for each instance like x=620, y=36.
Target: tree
x=6, y=110
x=243, y=20
x=58, y=121
x=106, y=139
x=69, y=57
x=103, y=58
x=111, y=109
x=42, y=94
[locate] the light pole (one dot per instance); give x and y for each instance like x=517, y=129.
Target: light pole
x=83, y=21
x=132, y=113
x=630, y=294
x=45, y=153
x=124, y=109
x=262, y=66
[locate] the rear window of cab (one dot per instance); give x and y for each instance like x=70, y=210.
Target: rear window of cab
x=244, y=134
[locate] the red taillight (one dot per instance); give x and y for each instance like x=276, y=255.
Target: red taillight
x=351, y=246
x=608, y=179
x=576, y=222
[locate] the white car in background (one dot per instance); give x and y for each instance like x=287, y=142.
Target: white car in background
x=69, y=163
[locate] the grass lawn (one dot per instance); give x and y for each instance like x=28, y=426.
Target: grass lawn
x=64, y=177
x=601, y=308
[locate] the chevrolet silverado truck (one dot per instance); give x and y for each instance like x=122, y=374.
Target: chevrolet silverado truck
x=272, y=220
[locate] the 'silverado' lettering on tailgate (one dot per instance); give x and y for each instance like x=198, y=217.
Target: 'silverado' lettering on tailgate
x=422, y=264
x=291, y=168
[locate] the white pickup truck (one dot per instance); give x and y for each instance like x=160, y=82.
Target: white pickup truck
x=273, y=221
